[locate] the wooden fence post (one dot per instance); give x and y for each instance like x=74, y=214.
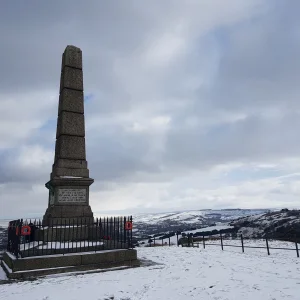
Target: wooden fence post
x=267, y=246
x=221, y=241
x=296, y=243
x=242, y=240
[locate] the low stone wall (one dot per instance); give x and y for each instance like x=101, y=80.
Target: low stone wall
x=51, y=264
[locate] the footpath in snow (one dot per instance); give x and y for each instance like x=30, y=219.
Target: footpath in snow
x=182, y=273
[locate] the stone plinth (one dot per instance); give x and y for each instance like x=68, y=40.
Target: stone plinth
x=69, y=202
x=31, y=267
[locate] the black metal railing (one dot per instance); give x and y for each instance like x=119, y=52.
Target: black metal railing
x=33, y=238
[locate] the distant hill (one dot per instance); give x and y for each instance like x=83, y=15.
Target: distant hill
x=284, y=224
x=149, y=224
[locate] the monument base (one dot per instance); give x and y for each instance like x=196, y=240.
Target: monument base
x=32, y=267
x=67, y=215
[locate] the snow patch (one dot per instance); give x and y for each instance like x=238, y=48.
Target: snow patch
x=184, y=273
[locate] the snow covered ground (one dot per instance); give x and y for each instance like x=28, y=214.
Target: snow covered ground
x=181, y=273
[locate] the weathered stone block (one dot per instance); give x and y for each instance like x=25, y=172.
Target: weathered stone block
x=46, y=262
x=72, y=57
x=71, y=100
x=70, y=123
x=73, y=211
x=120, y=255
x=131, y=254
x=59, y=181
x=71, y=79
x=103, y=257
x=87, y=211
x=71, y=164
x=69, y=211
x=70, y=172
x=71, y=147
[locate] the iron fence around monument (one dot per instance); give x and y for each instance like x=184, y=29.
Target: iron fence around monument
x=27, y=238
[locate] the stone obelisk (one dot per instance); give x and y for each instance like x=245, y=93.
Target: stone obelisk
x=69, y=181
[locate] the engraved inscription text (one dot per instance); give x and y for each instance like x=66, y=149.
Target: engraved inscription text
x=71, y=195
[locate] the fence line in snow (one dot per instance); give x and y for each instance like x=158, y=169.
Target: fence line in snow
x=191, y=241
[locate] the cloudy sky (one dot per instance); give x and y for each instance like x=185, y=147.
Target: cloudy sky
x=189, y=104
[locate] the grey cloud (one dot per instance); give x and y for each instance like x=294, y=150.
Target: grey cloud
x=254, y=139
x=258, y=77
x=252, y=69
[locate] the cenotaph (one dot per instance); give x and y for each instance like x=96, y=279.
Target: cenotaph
x=69, y=239
x=69, y=181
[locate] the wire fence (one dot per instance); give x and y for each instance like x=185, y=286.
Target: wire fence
x=223, y=241
x=28, y=238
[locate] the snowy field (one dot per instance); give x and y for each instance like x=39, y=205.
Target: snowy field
x=182, y=273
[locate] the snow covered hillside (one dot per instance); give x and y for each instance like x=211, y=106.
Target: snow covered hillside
x=284, y=224
x=147, y=224
x=180, y=273
x=194, y=216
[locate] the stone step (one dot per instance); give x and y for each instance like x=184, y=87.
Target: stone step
x=93, y=268
x=51, y=264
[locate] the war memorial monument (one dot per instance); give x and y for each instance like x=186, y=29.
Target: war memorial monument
x=69, y=238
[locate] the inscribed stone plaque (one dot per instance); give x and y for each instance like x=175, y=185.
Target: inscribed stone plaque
x=72, y=195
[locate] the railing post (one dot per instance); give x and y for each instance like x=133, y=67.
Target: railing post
x=124, y=232
x=267, y=245
x=177, y=239
x=131, y=233
x=96, y=233
x=64, y=230
x=242, y=240
x=203, y=242
x=20, y=224
x=221, y=241
x=169, y=241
